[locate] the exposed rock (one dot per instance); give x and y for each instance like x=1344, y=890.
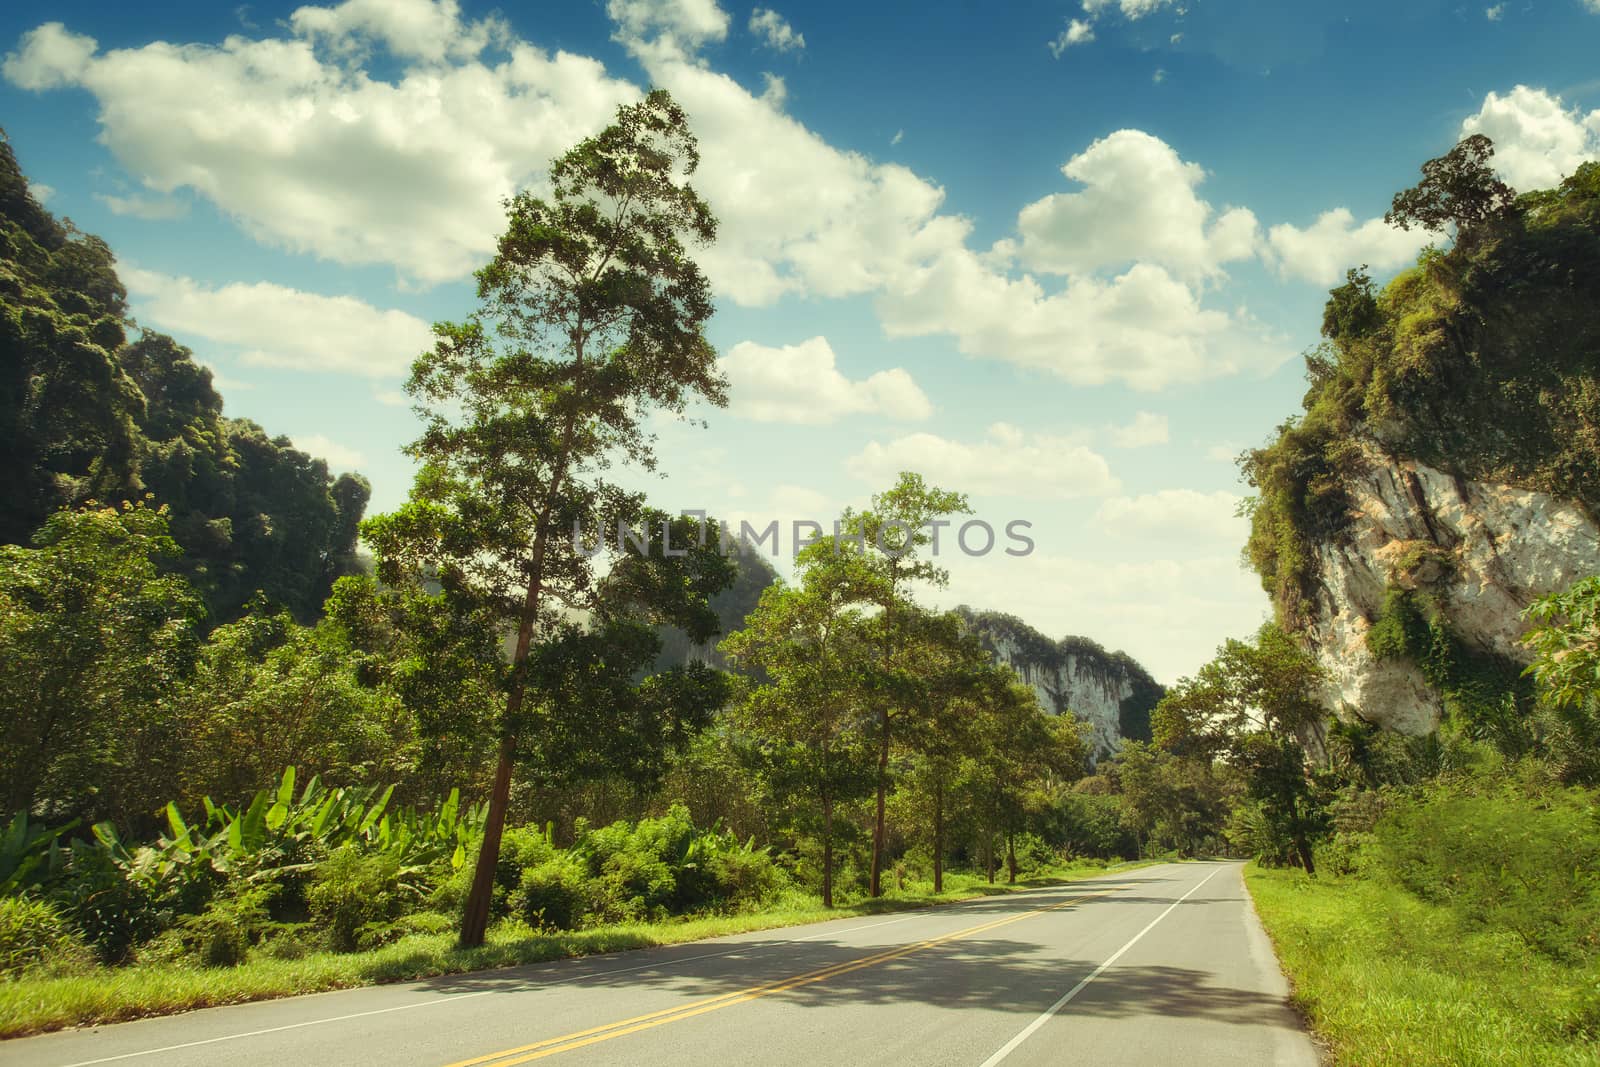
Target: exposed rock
x=1483, y=551
x=1108, y=690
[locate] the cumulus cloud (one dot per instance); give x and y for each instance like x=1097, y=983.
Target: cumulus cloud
x=1333, y=244
x=1077, y=32
x=310, y=150
x=313, y=155
x=1008, y=462
x=1146, y=429
x=145, y=207
x=1138, y=204
x=802, y=384
x=775, y=31
x=1538, y=140
x=339, y=457
x=1132, y=9
x=1497, y=12
x=1174, y=514
x=277, y=326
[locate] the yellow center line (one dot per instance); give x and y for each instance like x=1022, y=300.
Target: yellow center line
x=568, y=1042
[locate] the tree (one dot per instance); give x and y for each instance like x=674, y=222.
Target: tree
x=807, y=650
x=1251, y=705
x=1566, y=645
x=1459, y=189
x=94, y=638
x=884, y=545
x=592, y=313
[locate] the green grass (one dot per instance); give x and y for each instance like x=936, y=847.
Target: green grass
x=1387, y=979
x=105, y=995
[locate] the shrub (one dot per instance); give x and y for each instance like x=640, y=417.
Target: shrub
x=1500, y=855
x=223, y=934
x=552, y=895
x=35, y=935
x=353, y=891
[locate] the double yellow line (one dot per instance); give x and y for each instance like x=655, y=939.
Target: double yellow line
x=594, y=1035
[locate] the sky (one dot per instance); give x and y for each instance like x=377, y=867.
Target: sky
x=1063, y=257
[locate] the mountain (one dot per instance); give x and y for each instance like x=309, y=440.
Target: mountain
x=1108, y=690
x=92, y=407
x=1446, y=470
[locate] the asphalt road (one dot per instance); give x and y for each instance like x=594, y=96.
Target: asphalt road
x=1158, y=965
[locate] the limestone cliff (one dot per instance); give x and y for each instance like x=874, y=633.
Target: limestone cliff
x=1481, y=551
x=1108, y=690
x=1446, y=468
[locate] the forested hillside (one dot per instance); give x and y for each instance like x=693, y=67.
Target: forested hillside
x=94, y=407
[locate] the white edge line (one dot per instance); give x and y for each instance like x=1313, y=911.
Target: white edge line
x=459, y=997
x=1011, y=1046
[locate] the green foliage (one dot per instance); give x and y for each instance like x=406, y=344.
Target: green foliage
x=223, y=934
x=356, y=894
x=1566, y=645
x=88, y=414
x=35, y=936
x=1504, y=854
x=94, y=636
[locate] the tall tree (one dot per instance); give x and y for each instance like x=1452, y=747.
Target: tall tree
x=1458, y=188
x=889, y=543
x=1253, y=704
x=807, y=651
x=592, y=313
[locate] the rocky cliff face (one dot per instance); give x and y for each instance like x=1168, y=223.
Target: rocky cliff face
x=1108, y=690
x=1481, y=551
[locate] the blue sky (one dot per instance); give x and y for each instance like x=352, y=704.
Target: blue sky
x=1061, y=256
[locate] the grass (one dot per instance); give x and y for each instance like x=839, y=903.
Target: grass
x=31, y=1005
x=1387, y=979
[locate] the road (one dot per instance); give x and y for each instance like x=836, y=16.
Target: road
x=1156, y=965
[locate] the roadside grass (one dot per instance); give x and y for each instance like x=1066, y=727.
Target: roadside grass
x=30, y=1005
x=1387, y=979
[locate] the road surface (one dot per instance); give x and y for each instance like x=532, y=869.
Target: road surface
x=1157, y=965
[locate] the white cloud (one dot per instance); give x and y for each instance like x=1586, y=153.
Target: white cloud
x=1159, y=76
x=1592, y=5
x=801, y=384
x=1497, y=12
x=312, y=154
x=339, y=457
x=282, y=327
x=775, y=30
x=1133, y=9
x=667, y=28
x=1333, y=244
x=393, y=398
x=1145, y=429
x=41, y=192
x=1077, y=32
x=899, y=135
x=1537, y=139
x=1174, y=514
x=1138, y=204
x=1145, y=327
x=309, y=150
x=1008, y=462
x=154, y=209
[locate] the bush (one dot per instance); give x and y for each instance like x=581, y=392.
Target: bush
x=354, y=892
x=223, y=934
x=552, y=895
x=1508, y=855
x=34, y=935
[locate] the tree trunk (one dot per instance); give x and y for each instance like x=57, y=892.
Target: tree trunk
x=827, y=852
x=988, y=856
x=475, y=919
x=938, y=837
x=1011, y=859
x=876, y=886
x=1303, y=847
